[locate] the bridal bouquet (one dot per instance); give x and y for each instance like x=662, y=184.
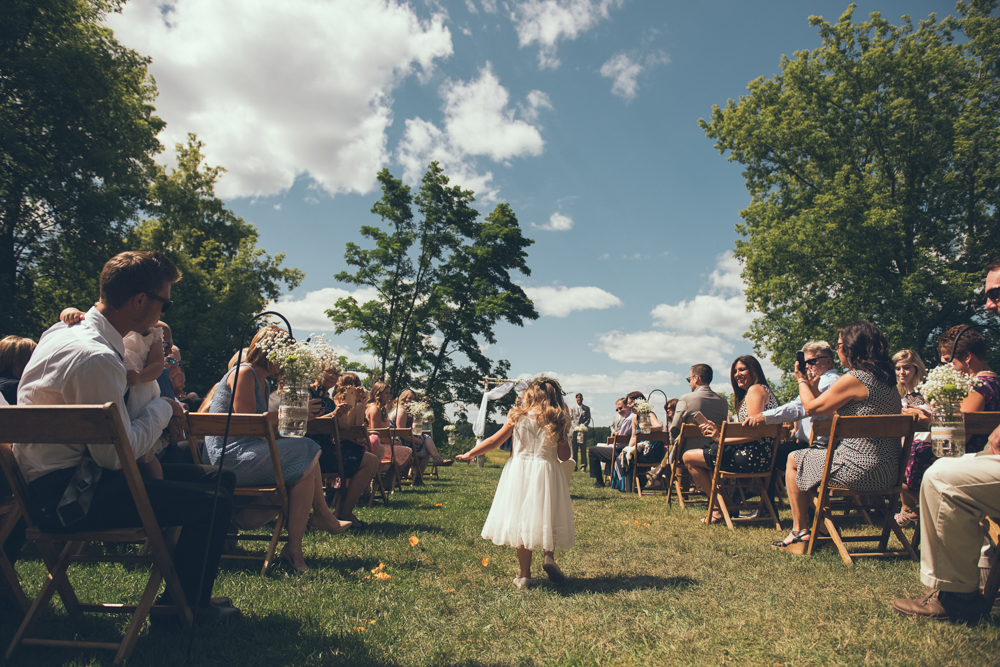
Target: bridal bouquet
x=582, y=428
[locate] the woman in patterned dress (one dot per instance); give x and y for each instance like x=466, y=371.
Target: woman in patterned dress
x=910, y=371
x=970, y=358
x=753, y=396
x=862, y=464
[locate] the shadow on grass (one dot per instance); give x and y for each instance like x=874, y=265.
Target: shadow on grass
x=575, y=585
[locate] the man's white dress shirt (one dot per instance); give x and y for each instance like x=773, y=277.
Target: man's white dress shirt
x=794, y=412
x=82, y=365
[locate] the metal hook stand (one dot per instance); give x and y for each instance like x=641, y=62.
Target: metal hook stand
x=222, y=455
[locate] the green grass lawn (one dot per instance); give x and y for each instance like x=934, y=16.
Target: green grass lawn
x=670, y=592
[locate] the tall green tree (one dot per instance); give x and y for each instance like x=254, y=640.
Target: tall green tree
x=77, y=136
x=872, y=165
x=226, y=277
x=442, y=280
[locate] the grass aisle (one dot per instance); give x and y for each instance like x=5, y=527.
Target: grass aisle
x=647, y=585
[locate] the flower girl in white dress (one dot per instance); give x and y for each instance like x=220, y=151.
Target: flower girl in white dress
x=532, y=507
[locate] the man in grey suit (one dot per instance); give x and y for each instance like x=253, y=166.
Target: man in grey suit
x=701, y=399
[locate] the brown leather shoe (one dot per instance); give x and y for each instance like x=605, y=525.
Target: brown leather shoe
x=942, y=606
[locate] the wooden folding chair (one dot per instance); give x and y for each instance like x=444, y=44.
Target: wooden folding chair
x=885, y=500
x=742, y=481
x=10, y=583
x=680, y=479
x=269, y=498
x=654, y=436
x=389, y=475
x=87, y=425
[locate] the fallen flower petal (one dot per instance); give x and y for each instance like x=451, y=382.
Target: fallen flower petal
x=486, y=561
x=382, y=575
x=414, y=541
x=450, y=590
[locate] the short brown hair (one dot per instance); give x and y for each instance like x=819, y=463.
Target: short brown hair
x=133, y=272
x=632, y=395
x=671, y=404
x=14, y=355
x=971, y=342
x=704, y=371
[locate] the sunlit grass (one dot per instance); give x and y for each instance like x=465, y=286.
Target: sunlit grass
x=672, y=592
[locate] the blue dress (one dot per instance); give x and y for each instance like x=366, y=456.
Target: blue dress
x=249, y=457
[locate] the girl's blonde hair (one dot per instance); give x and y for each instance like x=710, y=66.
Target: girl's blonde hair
x=909, y=356
x=399, y=399
x=544, y=397
x=15, y=352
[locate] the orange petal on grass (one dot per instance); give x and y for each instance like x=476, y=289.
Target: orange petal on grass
x=450, y=590
x=414, y=541
x=371, y=622
x=637, y=523
x=381, y=566
x=486, y=561
x=646, y=524
x=382, y=575
x=437, y=504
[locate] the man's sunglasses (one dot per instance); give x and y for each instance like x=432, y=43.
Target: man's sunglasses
x=166, y=302
x=993, y=294
x=813, y=362
x=175, y=362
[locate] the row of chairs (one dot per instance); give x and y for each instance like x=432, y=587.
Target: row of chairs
x=829, y=499
x=86, y=425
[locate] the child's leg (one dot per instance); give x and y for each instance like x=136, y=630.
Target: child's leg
x=524, y=560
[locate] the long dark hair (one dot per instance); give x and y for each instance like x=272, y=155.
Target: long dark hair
x=756, y=372
x=865, y=349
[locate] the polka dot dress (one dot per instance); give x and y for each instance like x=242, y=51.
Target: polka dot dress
x=861, y=464
x=747, y=457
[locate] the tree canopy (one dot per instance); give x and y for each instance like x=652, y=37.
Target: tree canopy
x=873, y=166
x=77, y=137
x=442, y=282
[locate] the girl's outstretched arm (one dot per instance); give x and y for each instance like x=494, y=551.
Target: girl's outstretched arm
x=489, y=444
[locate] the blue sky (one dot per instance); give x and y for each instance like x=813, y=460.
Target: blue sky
x=582, y=114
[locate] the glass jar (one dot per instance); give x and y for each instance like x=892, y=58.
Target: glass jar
x=947, y=437
x=418, y=426
x=293, y=413
x=645, y=426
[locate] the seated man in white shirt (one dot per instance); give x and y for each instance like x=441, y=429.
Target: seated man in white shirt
x=819, y=362
x=82, y=364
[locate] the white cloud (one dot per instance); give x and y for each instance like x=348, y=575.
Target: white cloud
x=308, y=314
x=471, y=6
x=490, y=6
x=557, y=223
x=625, y=71
x=664, y=347
x=706, y=312
x=546, y=22
x=561, y=301
x=477, y=122
x=278, y=94
x=619, y=384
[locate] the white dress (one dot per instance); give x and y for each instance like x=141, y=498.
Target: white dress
x=137, y=348
x=532, y=507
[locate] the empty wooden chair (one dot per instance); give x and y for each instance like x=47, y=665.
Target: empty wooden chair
x=741, y=482
x=885, y=501
x=87, y=425
x=271, y=498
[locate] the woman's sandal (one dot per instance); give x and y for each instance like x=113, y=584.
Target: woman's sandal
x=716, y=518
x=798, y=544
x=906, y=517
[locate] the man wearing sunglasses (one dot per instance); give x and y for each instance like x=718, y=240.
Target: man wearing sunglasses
x=955, y=495
x=81, y=364
x=819, y=363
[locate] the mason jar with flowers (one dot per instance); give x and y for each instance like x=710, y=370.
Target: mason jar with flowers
x=300, y=363
x=642, y=408
x=945, y=388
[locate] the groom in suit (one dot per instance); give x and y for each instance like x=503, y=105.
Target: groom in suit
x=701, y=399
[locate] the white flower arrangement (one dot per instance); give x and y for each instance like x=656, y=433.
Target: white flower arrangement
x=946, y=386
x=642, y=406
x=582, y=428
x=449, y=428
x=417, y=408
x=300, y=362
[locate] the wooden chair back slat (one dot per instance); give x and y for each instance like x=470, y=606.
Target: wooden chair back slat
x=728, y=432
x=679, y=477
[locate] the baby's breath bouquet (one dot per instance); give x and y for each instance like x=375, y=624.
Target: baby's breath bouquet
x=582, y=428
x=418, y=409
x=946, y=388
x=449, y=428
x=642, y=406
x=300, y=362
